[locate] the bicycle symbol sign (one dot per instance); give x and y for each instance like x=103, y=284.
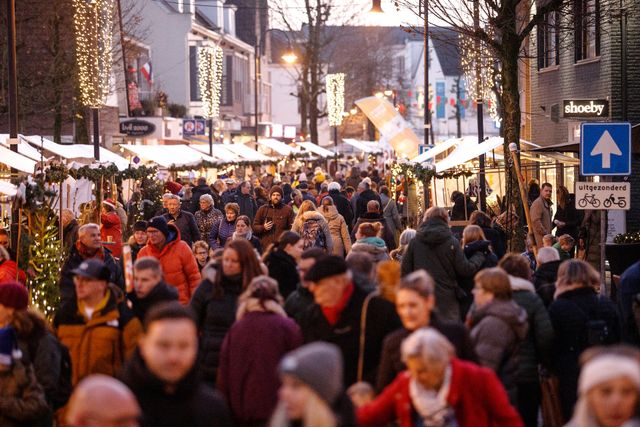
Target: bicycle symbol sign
x=603, y=195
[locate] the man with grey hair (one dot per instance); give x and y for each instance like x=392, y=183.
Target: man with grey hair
x=185, y=221
x=374, y=214
x=366, y=194
x=544, y=279
x=88, y=246
x=100, y=400
x=206, y=216
x=70, y=229
x=165, y=199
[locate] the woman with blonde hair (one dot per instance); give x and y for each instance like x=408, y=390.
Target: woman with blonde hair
x=609, y=390
x=311, y=394
x=405, y=237
x=251, y=352
x=337, y=227
x=369, y=241
x=312, y=227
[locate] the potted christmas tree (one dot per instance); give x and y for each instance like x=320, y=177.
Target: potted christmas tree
x=623, y=252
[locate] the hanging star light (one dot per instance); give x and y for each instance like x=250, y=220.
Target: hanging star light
x=93, y=30
x=210, y=79
x=335, y=98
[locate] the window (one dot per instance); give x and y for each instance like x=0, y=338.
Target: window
x=441, y=101
x=226, y=97
x=549, y=40
x=194, y=87
x=587, y=29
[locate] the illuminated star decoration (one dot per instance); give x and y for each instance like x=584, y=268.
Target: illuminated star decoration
x=335, y=98
x=93, y=29
x=210, y=79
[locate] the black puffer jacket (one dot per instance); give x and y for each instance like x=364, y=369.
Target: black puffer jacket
x=215, y=317
x=343, y=205
x=436, y=250
x=571, y=313
x=282, y=268
x=192, y=403
x=161, y=293
x=363, y=198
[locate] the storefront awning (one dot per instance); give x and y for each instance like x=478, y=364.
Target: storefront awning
x=16, y=160
x=315, y=149
x=277, y=146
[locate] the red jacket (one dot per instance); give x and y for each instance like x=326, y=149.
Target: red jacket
x=476, y=395
x=178, y=264
x=9, y=272
x=111, y=227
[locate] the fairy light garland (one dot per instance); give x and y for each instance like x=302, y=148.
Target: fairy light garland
x=335, y=98
x=93, y=30
x=210, y=79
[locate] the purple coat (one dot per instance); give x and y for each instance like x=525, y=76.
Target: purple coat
x=220, y=232
x=248, y=373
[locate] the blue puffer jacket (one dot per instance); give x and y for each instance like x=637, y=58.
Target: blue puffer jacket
x=220, y=232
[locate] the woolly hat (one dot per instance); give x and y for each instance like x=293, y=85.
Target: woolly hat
x=276, y=189
x=110, y=203
x=319, y=366
x=607, y=367
x=140, y=226
x=8, y=346
x=173, y=187
x=14, y=295
x=334, y=186
x=160, y=224
x=326, y=267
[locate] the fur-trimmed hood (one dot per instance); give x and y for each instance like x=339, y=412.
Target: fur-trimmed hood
x=520, y=284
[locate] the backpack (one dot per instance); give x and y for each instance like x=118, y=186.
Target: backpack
x=312, y=235
x=597, y=330
x=60, y=396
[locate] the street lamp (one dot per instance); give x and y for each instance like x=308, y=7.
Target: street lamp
x=289, y=57
x=376, y=7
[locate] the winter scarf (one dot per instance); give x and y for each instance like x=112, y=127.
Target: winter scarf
x=332, y=314
x=432, y=406
x=246, y=236
x=87, y=253
x=375, y=241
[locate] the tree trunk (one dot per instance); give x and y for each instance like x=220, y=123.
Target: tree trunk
x=511, y=124
x=304, y=100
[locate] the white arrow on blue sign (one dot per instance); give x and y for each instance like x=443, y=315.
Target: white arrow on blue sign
x=605, y=149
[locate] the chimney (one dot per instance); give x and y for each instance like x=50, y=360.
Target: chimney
x=230, y=19
x=213, y=10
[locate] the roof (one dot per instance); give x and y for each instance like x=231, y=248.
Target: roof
x=445, y=42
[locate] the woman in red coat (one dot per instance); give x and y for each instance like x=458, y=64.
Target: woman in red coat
x=111, y=229
x=440, y=390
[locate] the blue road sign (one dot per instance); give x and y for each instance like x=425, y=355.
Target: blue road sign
x=605, y=149
x=424, y=147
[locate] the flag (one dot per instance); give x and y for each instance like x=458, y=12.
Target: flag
x=147, y=72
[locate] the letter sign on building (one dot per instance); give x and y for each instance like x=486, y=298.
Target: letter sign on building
x=598, y=108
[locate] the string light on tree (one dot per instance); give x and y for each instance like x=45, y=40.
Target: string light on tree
x=335, y=98
x=210, y=79
x=93, y=30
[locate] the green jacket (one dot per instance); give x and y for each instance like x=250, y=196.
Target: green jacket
x=435, y=250
x=536, y=348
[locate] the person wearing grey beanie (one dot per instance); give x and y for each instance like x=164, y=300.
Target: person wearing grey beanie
x=312, y=391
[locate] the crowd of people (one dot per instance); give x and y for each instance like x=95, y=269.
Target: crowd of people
x=290, y=301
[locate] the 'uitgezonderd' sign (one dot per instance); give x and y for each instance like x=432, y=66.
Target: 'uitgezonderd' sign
x=585, y=108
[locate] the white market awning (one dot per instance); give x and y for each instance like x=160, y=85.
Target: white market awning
x=316, y=149
x=468, y=151
x=360, y=145
x=439, y=149
x=8, y=189
x=248, y=153
x=277, y=146
x=219, y=151
x=23, y=148
x=169, y=155
x=75, y=151
x=16, y=160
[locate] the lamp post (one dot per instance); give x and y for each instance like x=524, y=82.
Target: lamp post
x=479, y=107
x=289, y=57
x=12, y=91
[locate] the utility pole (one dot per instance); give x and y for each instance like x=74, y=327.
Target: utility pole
x=479, y=107
x=13, y=76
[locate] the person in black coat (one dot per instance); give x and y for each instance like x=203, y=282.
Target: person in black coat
x=150, y=289
x=544, y=279
x=567, y=218
x=246, y=201
x=199, y=190
x=169, y=389
x=373, y=214
x=215, y=301
x=495, y=236
x=342, y=204
x=415, y=303
x=336, y=317
x=281, y=260
x=460, y=202
x=185, y=221
x=365, y=195
x=581, y=319
x=88, y=246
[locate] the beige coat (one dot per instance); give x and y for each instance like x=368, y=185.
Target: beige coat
x=541, y=219
x=338, y=229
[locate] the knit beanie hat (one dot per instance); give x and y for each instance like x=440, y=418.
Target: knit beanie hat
x=14, y=295
x=319, y=366
x=140, y=226
x=8, y=346
x=276, y=189
x=607, y=367
x=160, y=224
x=327, y=266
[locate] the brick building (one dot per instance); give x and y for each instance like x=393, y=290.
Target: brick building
x=578, y=57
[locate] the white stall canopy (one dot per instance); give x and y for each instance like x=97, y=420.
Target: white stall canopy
x=316, y=149
x=219, y=151
x=169, y=155
x=16, y=160
x=76, y=151
x=364, y=146
x=8, y=189
x=440, y=148
x=277, y=146
x=248, y=153
x=466, y=151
